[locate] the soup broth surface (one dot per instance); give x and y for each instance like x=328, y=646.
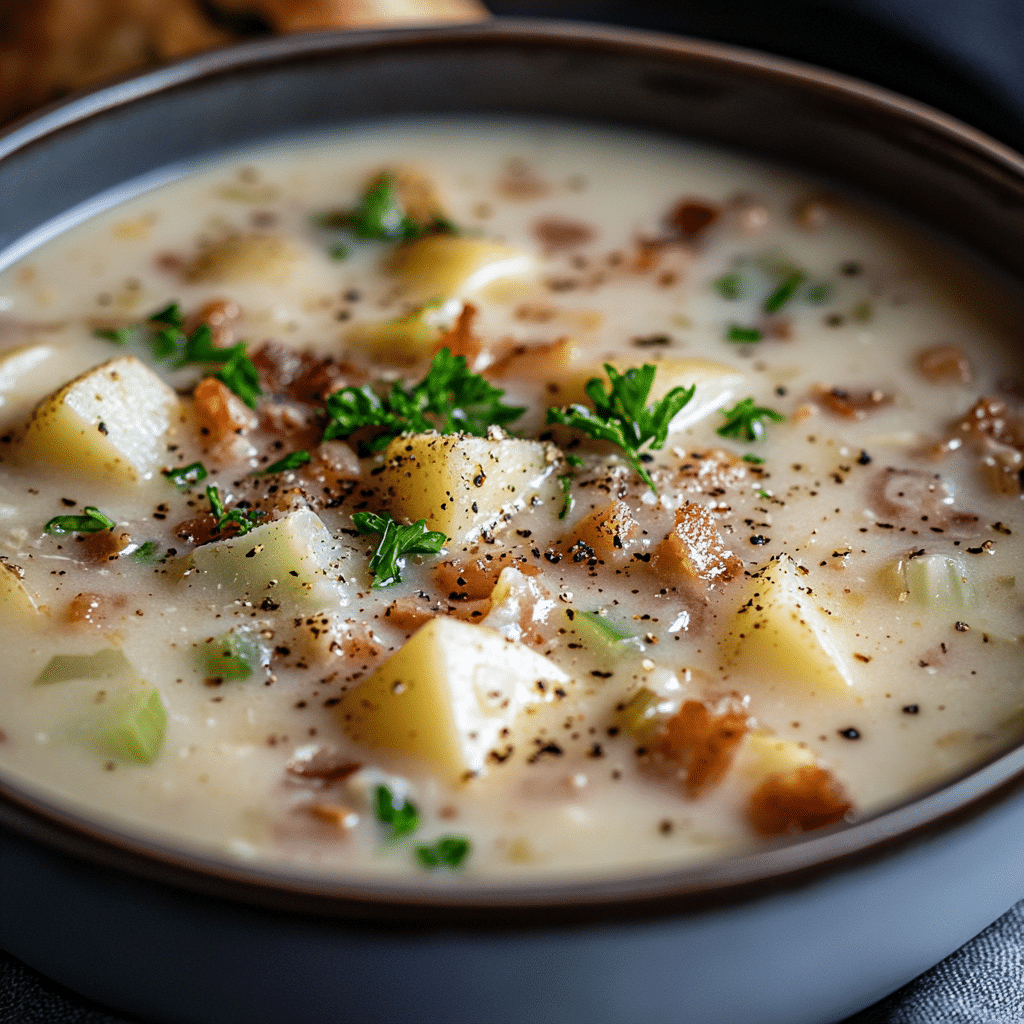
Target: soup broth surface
x=809, y=610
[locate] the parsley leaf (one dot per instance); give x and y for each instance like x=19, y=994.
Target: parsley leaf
x=730, y=286
x=118, y=335
x=396, y=540
x=401, y=815
x=292, y=461
x=570, y=501
x=245, y=519
x=92, y=521
x=622, y=415
x=743, y=421
x=146, y=552
x=185, y=477
x=743, y=335
x=449, y=399
x=170, y=316
x=784, y=292
x=448, y=852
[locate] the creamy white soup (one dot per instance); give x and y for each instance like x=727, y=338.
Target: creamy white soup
x=503, y=499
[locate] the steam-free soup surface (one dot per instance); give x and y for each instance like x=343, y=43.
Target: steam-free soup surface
x=773, y=590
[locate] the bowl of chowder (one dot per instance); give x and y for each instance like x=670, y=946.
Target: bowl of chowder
x=507, y=521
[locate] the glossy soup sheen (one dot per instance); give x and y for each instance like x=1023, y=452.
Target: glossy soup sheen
x=811, y=611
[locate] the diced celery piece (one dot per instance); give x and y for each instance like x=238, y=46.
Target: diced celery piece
x=942, y=580
x=137, y=728
x=639, y=717
x=105, y=664
x=235, y=655
x=596, y=631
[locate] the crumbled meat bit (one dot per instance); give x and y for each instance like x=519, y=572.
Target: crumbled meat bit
x=703, y=743
x=475, y=578
x=341, y=817
x=608, y=533
x=299, y=376
x=102, y=546
x=520, y=182
x=219, y=412
x=460, y=339
x=944, y=364
x=851, y=405
x=691, y=218
x=220, y=316
x=990, y=418
x=557, y=234
x=912, y=497
x=322, y=764
x=812, y=214
x=95, y=609
x=695, y=547
x=805, y=798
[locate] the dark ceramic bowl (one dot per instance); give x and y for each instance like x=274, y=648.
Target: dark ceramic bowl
x=800, y=932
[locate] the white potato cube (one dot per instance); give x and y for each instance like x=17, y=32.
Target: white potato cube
x=284, y=563
x=111, y=422
x=781, y=630
x=463, y=485
x=447, y=696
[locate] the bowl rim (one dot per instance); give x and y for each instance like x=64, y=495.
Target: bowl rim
x=663, y=891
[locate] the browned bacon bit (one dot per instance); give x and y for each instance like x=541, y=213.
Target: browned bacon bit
x=711, y=473
x=94, y=609
x=323, y=764
x=474, y=579
x=912, y=497
x=609, y=532
x=219, y=412
x=990, y=418
x=691, y=218
x=102, y=546
x=409, y=613
x=300, y=376
x=460, y=339
x=535, y=362
x=341, y=817
x=703, y=743
x=851, y=405
x=220, y=316
x=805, y=798
x=470, y=611
x=1002, y=468
x=202, y=529
x=812, y=214
x=695, y=547
x=944, y=364
x=519, y=181
x=557, y=234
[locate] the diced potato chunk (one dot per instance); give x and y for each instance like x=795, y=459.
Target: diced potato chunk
x=111, y=422
x=716, y=384
x=20, y=370
x=284, y=563
x=405, y=340
x=447, y=696
x=781, y=629
x=245, y=258
x=15, y=599
x=463, y=485
x=449, y=266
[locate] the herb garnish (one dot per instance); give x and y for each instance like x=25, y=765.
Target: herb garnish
x=292, y=461
x=449, y=399
x=168, y=339
x=754, y=460
x=187, y=476
x=118, y=335
x=566, y=482
x=338, y=252
x=244, y=519
x=396, y=540
x=447, y=852
x=146, y=552
x=400, y=814
x=745, y=335
x=622, y=415
x=92, y=521
x=743, y=421
x=730, y=286
x=381, y=215
x=784, y=292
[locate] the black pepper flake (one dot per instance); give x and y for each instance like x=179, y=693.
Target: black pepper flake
x=602, y=675
x=961, y=627
x=665, y=826
x=757, y=539
x=863, y=459
x=911, y=709
x=849, y=734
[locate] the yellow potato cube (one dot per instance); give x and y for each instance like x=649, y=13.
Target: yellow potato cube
x=448, y=695
x=463, y=485
x=243, y=258
x=284, y=563
x=111, y=422
x=763, y=755
x=781, y=629
x=404, y=340
x=15, y=599
x=448, y=266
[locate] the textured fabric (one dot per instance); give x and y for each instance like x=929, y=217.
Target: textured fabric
x=965, y=58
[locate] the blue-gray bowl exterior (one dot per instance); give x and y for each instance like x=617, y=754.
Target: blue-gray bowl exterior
x=807, y=931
